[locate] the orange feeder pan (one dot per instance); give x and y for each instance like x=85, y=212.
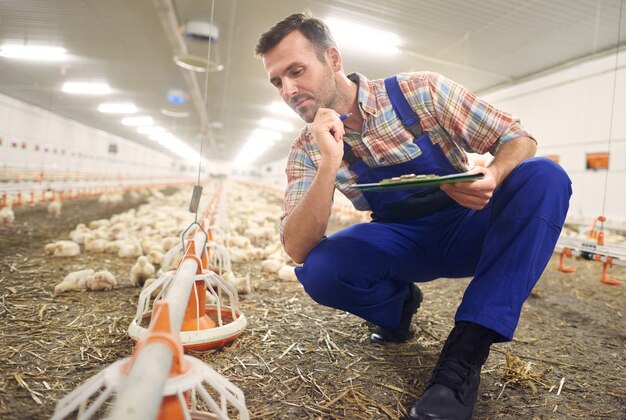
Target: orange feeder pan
x=205, y=326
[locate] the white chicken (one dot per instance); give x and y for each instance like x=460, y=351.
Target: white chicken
x=148, y=244
x=242, y=284
x=271, y=249
x=141, y=271
x=155, y=256
x=63, y=249
x=287, y=273
x=96, y=224
x=170, y=242
x=73, y=281
x=77, y=280
x=54, y=208
x=78, y=235
x=6, y=215
x=238, y=241
x=271, y=265
x=95, y=245
x=241, y=255
x=129, y=249
x=102, y=280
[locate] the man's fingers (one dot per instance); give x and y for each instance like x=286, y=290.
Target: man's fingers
x=451, y=189
x=478, y=185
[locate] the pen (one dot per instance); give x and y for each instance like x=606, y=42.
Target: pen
x=344, y=116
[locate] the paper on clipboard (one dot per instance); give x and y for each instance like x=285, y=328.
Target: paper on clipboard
x=406, y=182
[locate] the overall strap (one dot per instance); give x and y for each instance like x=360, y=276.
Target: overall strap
x=348, y=154
x=401, y=106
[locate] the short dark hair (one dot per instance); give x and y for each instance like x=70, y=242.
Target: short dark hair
x=313, y=29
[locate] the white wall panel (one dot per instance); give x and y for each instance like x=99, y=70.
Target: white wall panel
x=66, y=145
x=569, y=112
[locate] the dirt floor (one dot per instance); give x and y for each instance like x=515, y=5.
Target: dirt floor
x=300, y=360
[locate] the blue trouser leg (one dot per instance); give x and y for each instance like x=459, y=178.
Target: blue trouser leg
x=526, y=215
x=364, y=269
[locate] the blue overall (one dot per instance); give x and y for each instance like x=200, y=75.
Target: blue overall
x=366, y=268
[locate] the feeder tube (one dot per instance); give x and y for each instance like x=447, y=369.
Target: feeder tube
x=140, y=394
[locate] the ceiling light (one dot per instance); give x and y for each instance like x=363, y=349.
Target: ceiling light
x=86, y=88
x=135, y=121
x=253, y=148
x=117, y=108
x=282, y=108
x=150, y=129
x=276, y=124
x=248, y=154
x=176, y=96
x=357, y=36
x=32, y=52
x=201, y=31
x=267, y=134
x=261, y=143
x=160, y=136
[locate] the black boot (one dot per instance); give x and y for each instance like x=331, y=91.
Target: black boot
x=403, y=331
x=453, y=388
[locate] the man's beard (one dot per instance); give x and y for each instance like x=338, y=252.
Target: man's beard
x=329, y=100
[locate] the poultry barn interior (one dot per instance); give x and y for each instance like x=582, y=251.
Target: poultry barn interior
x=142, y=273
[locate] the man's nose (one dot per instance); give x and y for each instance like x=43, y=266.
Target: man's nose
x=290, y=89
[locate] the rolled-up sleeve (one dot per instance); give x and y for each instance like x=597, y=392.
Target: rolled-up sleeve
x=300, y=173
x=473, y=124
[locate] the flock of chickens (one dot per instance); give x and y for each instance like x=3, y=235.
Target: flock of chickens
x=246, y=233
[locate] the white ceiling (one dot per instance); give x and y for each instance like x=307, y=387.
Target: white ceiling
x=130, y=43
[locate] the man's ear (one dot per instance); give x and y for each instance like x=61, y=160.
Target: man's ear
x=334, y=58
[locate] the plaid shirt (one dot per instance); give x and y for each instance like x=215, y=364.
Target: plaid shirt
x=453, y=117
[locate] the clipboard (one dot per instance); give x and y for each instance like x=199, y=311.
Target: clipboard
x=411, y=181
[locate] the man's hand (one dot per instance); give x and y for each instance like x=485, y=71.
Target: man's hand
x=328, y=131
x=476, y=194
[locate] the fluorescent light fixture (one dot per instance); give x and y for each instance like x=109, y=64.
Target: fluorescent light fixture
x=150, y=130
x=283, y=109
x=136, y=121
x=160, y=136
x=261, y=143
x=179, y=147
x=248, y=154
x=32, y=52
x=267, y=134
x=117, y=108
x=253, y=148
x=365, y=38
x=276, y=124
x=86, y=88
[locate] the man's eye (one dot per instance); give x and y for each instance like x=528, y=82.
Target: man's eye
x=297, y=72
x=277, y=84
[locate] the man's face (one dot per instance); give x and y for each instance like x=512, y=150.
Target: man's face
x=302, y=80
